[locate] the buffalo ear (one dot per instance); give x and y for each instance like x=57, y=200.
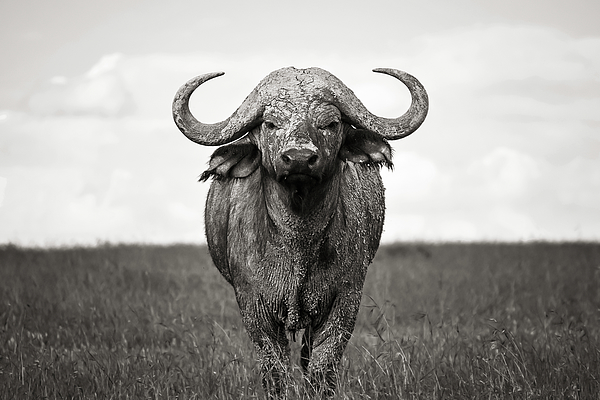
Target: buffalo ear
x=365, y=147
x=237, y=160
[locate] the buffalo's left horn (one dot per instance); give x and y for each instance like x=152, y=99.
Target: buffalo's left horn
x=234, y=127
x=389, y=128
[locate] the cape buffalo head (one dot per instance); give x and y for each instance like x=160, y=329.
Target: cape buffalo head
x=297, y=123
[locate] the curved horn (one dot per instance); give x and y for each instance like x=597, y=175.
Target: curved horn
x=391, y=128
x=234, y=127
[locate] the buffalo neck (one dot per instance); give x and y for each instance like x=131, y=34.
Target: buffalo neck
x=305, y=224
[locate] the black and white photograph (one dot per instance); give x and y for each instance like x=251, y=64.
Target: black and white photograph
x=299, y=200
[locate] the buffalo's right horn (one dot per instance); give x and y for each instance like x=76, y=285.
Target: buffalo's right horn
x=234, y=127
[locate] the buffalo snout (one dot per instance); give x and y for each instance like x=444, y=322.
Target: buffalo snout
x=299, y=159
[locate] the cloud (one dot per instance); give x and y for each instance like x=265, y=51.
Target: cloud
x=504, y=173
x=509, y=149
x=183, y=212
x=89, y=178
x=412, y=179
x=100, y=92
x=527, y=88
x=513, y=224
x=481, y=55
x=3, y=182
x=577, y=184
x=46, y=206
x=457, y=229
x=552, y=91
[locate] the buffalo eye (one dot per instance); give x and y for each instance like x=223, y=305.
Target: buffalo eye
x=332, y=126
x=269, y=125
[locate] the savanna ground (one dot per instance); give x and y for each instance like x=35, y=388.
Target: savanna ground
x=438, y=321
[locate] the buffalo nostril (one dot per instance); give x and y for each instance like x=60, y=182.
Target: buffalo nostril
x=312, y=160
x=286, y=159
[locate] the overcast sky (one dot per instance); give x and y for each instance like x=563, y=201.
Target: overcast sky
x=510, y=149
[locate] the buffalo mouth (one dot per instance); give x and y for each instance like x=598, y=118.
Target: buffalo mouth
x=299, y=179
x=299, y=184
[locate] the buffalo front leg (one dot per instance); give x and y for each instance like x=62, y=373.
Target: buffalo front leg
x=324, y=345
x=273, y=350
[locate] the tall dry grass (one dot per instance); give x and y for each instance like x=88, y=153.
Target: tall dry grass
x=438, y=321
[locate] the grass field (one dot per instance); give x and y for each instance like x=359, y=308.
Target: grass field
x=438, y=321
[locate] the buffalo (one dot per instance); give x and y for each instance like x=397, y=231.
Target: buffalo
x=295, y=209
